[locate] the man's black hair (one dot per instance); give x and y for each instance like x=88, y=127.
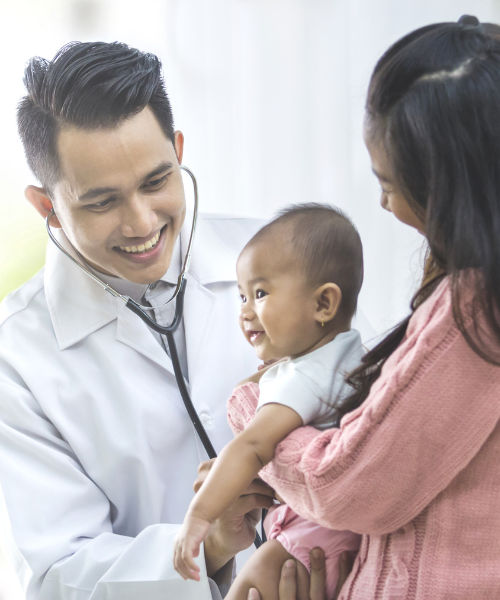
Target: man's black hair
x=89, y=85
x=326, y=245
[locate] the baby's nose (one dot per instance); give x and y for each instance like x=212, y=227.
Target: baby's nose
x=246, y=312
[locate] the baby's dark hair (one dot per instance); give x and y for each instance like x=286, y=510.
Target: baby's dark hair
x=327, y=246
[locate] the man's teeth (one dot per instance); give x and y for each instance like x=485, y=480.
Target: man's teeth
x=143, y=247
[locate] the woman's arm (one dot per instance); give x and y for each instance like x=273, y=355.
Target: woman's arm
x=427, y=416
x=234, y=470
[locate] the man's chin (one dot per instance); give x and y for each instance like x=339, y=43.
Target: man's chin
x=144, y=277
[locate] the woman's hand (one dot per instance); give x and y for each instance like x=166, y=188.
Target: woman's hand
x=235, y=530
x=317, y=590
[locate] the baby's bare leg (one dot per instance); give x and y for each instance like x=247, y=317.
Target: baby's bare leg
x=263, y=571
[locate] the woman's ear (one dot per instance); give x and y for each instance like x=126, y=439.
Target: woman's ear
x=328, y=299
x=39, y=198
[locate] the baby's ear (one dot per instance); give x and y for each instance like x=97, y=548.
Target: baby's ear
x=328, y=299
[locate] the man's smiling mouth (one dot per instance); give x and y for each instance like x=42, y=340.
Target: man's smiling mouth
x=146, y=247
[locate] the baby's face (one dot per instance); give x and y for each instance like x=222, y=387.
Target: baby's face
x=277, y=304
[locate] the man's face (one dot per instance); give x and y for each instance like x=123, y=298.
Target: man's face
x=120, y=198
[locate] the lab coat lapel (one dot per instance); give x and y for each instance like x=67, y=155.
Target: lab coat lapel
x=130, y=330
x=212, y=262
x=78, y=307
x=199, y=305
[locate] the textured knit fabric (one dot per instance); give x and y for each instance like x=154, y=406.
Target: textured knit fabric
x=415, y=469
x=310, y=384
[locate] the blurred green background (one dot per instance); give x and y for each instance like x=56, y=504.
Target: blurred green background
x=22, y=252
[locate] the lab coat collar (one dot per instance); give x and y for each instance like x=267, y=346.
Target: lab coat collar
x=212, y=261
x=78, y=306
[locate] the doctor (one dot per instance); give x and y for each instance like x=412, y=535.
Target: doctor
x=97, y=453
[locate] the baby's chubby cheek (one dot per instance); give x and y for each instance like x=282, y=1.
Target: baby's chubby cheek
x=242, y=327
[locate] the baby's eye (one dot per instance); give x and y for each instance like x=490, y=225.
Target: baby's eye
x=260, y=294
x=243, y=299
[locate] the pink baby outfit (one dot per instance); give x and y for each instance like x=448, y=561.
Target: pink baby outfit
x=415, y=469
x=311, y=385
x=299, y=536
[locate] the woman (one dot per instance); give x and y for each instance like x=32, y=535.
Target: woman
x=415, y=464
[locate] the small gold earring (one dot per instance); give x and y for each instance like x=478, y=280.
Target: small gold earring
x=322, y=322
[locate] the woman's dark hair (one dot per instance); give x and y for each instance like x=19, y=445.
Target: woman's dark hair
x=88, y=85
x=434, y=104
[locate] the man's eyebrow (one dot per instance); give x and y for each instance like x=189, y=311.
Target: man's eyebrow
x=380, y=176
x=99, y=191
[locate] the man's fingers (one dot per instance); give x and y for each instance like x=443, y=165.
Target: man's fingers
x=345, y=567
x=203, y=471
x=253, y=594
x=260, y=487
x=288, y=581
x=317, y=590
x=206, y=465
x=249, y=502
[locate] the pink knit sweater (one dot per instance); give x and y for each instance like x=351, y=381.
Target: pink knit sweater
x=415, y=469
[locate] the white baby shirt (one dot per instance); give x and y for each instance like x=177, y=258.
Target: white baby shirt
x=312, y=383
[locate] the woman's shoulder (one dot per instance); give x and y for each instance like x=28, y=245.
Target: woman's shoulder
x=433, y=330
x=458, y=296
x=436, y=310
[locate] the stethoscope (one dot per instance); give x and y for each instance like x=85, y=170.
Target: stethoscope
x=166, y=330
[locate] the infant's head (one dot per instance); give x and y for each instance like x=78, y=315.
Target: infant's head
x=299, y=278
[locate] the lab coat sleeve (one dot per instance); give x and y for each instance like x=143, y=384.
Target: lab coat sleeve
x=62, y=523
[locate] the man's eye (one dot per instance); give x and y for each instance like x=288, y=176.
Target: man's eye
x=103, y=204
x=155, y=183
x=260, y=294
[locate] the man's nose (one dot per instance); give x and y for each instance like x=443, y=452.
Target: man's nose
x=138, y=219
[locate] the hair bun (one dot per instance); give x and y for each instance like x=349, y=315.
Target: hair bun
x=468, y=21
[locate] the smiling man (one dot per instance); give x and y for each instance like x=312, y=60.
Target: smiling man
x=97, y=453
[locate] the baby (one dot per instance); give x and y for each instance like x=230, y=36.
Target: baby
x=299, y=279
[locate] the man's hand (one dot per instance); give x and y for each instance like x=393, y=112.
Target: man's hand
x=317, y=589
x=235, y=530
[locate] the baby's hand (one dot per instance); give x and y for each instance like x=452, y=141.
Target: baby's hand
x=187, y=546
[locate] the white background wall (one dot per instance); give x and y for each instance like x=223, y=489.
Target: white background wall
x=269, y=94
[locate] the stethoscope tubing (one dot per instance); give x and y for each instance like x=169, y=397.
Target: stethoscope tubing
x=166, y=330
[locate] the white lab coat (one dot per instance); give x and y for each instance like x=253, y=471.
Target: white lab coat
x=97, y=453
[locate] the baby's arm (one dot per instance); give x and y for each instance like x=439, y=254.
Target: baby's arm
x=236, y=467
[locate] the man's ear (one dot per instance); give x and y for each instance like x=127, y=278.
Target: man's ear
x=39, y=198
x=328, y=299
x=179, y=145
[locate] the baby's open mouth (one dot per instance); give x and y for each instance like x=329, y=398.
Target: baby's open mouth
x=254, y=335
